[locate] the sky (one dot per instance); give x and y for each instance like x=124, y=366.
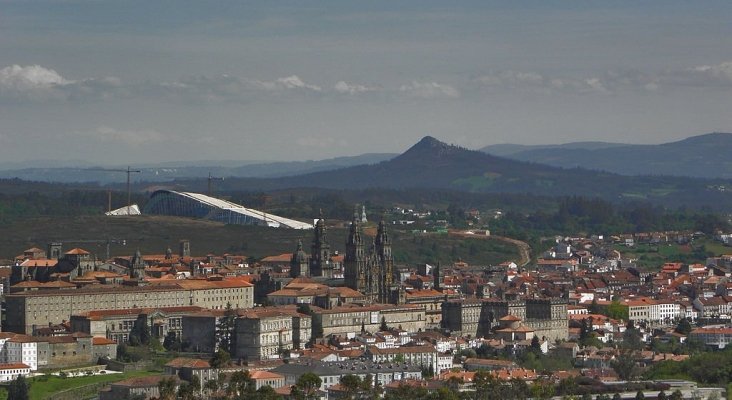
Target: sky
x=125, y=82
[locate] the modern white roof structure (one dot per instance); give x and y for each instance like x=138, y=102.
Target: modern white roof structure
x=133, y=209
x=188, y=204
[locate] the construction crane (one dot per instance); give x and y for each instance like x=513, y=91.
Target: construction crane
x=108, y=242
x=210, y=183
x=128, y=171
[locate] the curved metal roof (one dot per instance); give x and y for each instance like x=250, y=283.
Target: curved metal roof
x=232, y=208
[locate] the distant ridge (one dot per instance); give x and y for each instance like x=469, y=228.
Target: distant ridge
x=703, y=156
x=432, y=164
x=168, y=171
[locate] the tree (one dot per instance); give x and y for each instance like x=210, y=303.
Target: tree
x=140, y=333
x=166, y=387
x=212, y=386
x=617, y=396
x=625, y=365
x=676, y=395
x=594, y=307
x=352, y=384
x=662, y=395
x=536, y=346
x=172, y=342
x=542, y=390
x=19, y=389
x=383, y=326
x=616, y=310
x=632, y=339
x=307, y=386
x=266, y=393
x=567, y=386
x=186, y=391
x=220, y=359
x=225, y=335
x=640, y=395
x=241, y=384
x=684, y=326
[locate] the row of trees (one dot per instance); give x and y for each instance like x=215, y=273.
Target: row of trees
x=239, y=386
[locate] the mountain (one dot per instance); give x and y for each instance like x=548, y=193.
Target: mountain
x=195, y=169
x=704, y=156
x=508, y=150
x=431, y=164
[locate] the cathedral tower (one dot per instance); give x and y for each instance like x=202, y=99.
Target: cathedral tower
x=320, y=264
x=385, y=263
x=299, y=262
x=137, y=266
x=354, y=261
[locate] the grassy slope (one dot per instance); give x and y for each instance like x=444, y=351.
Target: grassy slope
x=652, y=257
x=152, y=234
x=41, y=389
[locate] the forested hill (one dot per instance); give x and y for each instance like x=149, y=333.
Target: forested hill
x=434, y=164
x=704, y=156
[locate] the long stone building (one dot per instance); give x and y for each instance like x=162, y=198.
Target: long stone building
x=478, y=318
x=260, y=333
x=37, y=308
x=351, y=319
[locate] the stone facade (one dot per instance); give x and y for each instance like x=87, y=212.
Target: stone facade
x=260, y=333
x=265, y=333
x=117, y=324
x=477, y=318
x=351, y=319
x=39, y=308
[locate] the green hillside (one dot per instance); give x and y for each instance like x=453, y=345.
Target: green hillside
x=153, y=234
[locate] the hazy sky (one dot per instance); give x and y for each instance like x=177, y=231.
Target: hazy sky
x=147, y=81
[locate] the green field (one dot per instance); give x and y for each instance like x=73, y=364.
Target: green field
x=44, y=386
x=652, y=257
x=153, y=234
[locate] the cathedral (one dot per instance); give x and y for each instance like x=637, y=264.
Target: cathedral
x=321, y=261
x=369, y=267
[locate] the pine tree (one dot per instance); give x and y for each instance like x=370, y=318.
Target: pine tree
x=536, y=346
x=19, y=389
x=225, y=335
x=140, y=333
x=684, y=327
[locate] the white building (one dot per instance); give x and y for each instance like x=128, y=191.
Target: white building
x=10, y=372
x=664, y=312
x=22, y=349
x=716, y=337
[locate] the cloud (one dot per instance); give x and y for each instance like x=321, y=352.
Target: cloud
x=290, y=82
x=511, y=78
x=534, y=81
x=30, y=77
x=717, y=75
x=210, y=88
x=351, y=88
x=34, y=82
x=429, y=90
x=720, y=71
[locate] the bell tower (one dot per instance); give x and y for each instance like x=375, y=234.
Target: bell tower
x=354, y=261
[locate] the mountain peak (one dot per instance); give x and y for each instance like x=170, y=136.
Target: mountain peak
x=429, y=143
